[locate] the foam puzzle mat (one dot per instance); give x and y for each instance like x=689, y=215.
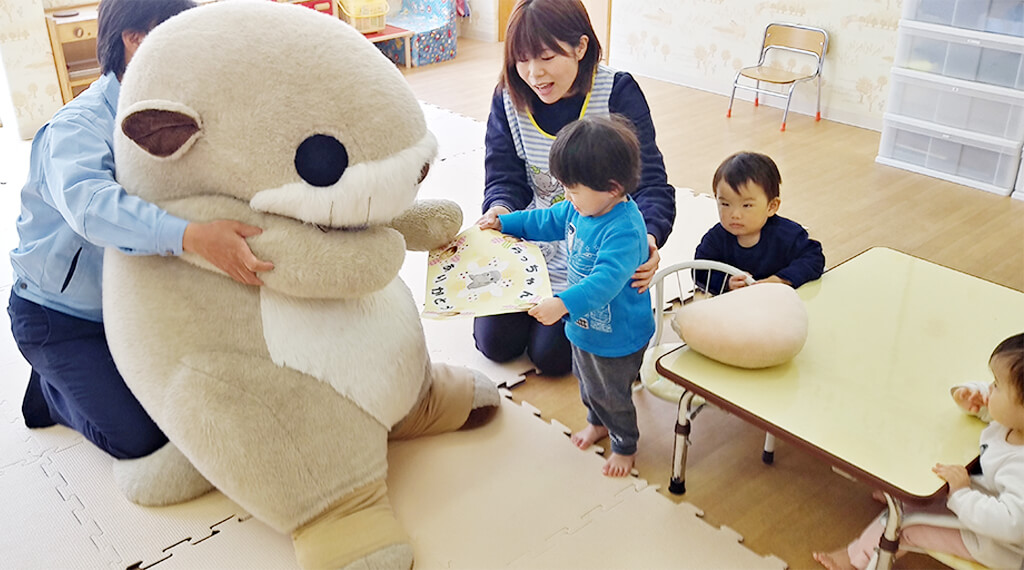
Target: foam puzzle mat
x=514, y=493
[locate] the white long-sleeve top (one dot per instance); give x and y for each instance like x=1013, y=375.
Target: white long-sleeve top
x=992, y=508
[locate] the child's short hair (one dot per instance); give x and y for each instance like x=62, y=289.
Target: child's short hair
x=538, y=25
x=1012, y=349
x=744, y=167
x=597, y=152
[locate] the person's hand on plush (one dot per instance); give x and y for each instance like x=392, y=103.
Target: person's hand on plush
x=738, y=281
x=490, y=221
x=548, y=311
x=222, y=243
x=645, y=273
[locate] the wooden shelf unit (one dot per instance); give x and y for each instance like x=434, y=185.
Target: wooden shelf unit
x=73, y=41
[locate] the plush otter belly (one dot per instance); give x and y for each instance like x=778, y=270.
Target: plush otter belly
x=370, y=349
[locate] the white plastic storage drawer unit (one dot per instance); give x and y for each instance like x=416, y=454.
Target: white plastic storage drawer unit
x=974, y=107
x=1018, y=190
x=980, y=161
x=997, y=16
x=963, y=54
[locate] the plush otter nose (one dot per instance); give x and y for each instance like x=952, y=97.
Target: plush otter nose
x=321, y=160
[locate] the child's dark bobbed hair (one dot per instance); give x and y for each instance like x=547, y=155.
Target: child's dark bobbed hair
x=597, y=152
x=1012, y=349
x=744, y=167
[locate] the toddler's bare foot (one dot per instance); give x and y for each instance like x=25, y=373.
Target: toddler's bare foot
x=618, y=465
x=588, y=435
x=835, y=560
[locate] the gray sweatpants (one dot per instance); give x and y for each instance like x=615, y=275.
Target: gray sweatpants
x=606, y=388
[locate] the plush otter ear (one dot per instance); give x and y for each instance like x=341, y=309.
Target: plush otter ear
x=162, y=128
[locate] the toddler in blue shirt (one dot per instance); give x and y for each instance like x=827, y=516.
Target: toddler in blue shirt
x=751, y=235
x=608, y=322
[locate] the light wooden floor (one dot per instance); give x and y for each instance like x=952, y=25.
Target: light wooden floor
x=832, y=185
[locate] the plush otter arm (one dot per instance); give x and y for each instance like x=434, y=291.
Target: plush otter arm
x=429, y=224
x=308, y=262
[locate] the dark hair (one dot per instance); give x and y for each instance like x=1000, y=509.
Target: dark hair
x=597, y=152
x=744, y=167
x=1013, y=350
x=118, y=16
x=538, y=25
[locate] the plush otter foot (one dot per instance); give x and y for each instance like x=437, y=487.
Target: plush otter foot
x=447, y=403
x=359, y=532
x=485, y=401
x=164, y=477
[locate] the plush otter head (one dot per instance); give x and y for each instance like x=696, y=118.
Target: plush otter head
x=284, y=108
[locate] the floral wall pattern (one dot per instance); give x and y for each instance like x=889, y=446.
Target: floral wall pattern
x=28, y=63
x=702, y=43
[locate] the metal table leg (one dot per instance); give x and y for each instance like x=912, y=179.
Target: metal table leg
x=889, y=543
x=677, y=485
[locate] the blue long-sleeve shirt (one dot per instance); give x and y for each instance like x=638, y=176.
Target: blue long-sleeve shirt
x=607, y=317
x=72, y=208
x=505, y=173
x=784, y=250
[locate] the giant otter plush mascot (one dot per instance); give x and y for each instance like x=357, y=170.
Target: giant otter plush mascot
x=282, y=396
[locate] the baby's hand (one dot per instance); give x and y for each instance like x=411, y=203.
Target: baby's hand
x=548, y=311
x=955, y=475
x=737, y=281
x=970, y=398
x=490, y=221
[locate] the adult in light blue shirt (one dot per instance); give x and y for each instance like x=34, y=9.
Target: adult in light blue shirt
x=71, y=209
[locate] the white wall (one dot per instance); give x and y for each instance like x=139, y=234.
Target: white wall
x=482, y=23
x=702, y=43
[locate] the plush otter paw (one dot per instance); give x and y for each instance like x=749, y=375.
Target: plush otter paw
x=485, y=401
x=358, y=532
x=164, y=477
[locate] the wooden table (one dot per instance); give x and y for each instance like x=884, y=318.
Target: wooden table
x=393, y=33
x=889, y=334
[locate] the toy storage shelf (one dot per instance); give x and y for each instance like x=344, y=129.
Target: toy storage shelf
x=956, y=101
x=73, y=41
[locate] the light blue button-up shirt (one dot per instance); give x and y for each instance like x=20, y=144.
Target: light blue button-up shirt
x=72, y=207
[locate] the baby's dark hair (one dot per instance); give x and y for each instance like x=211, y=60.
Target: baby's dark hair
x=744, y=167
x=597, y=152
x=1012, y=349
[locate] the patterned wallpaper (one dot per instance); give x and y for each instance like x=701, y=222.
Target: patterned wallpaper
x=702, y=43
x=28, y=63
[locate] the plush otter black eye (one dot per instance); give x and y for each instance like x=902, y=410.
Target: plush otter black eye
x=321, y=160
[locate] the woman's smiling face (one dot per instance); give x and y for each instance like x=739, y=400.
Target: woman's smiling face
x=551, y=74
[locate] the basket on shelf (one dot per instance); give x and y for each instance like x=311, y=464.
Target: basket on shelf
x=366, y=16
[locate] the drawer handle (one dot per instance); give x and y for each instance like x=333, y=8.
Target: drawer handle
x=974, y=42
x=79, y=32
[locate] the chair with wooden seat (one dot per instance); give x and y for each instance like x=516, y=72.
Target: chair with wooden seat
x=793, y=39
x=940, y=520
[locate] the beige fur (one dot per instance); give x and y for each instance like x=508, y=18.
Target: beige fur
x=283, y=396
x=752, y=327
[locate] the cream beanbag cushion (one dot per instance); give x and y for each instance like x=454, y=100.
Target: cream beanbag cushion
x=753, y=327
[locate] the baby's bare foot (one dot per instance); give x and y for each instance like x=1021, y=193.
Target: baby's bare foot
x=588, y=435
x=835, y=560
x=619, y=465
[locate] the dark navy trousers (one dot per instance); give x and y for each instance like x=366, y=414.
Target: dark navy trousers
x=504, y=337
x=74, y=382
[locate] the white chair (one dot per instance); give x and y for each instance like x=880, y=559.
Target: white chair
x=792, y=38
x=930, y=519
x=689, y=280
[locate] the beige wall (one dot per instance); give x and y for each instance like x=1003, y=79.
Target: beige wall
x=701, y=43
x=28, y=64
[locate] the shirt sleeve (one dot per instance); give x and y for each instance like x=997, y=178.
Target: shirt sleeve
x=710, y=248
x=808, y=260
x=505, y=182
x=999, y=517
x=81, y=185
x=655, y=197
x=612, y=271
x=543, y=224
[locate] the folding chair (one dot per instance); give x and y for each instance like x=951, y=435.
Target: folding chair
x=691, y=281
x=793, y=38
